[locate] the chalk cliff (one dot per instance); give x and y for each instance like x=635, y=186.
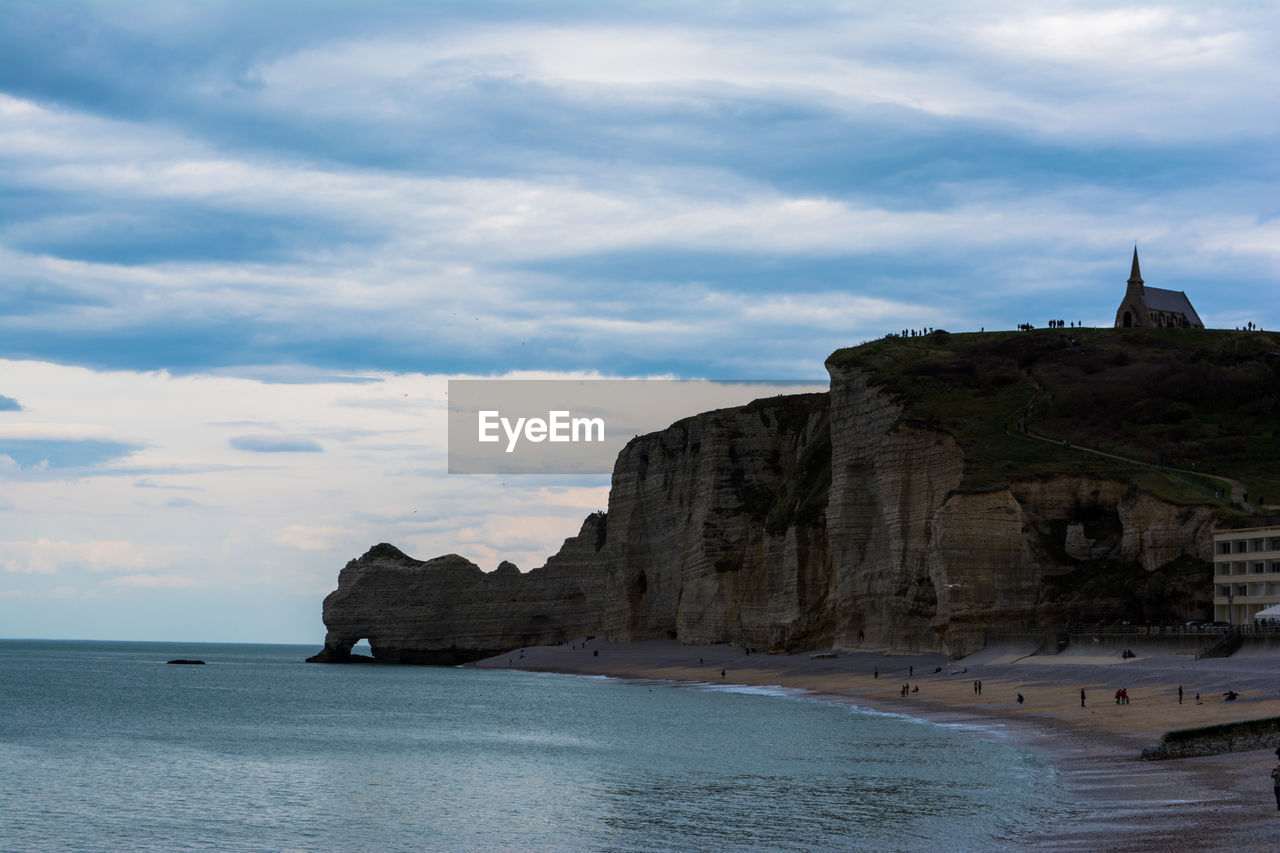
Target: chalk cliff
x=799, y=522
x=448, y=611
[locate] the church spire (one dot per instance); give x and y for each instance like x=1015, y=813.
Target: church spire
x=1135, y=275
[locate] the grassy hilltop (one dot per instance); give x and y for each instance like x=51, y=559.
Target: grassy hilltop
x=1194, y=399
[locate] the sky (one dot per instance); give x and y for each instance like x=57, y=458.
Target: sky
x=245, y=245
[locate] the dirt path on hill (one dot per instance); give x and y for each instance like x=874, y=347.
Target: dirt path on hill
x=1234, y=487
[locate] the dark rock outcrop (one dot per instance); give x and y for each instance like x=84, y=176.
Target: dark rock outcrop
x=1245, y=736
x=447, y=611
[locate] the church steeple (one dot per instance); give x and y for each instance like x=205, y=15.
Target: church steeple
x=1135, y=275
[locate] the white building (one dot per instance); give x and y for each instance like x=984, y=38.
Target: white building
x=1246, y=572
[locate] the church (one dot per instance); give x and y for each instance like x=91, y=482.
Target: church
x=1152, y=306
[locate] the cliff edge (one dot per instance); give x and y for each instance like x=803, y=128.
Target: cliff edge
x=910, y=508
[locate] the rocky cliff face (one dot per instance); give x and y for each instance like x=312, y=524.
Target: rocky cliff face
x=792, y=523
x=709, y=541
x=447, y=611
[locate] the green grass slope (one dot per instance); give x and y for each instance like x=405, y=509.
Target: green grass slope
x=1183, y=404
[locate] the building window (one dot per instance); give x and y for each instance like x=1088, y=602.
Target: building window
x=1224, y=591
x=1224, y=547
x=1275, y=544
x=1242, y=589
x=1259, y=568
x=1242, y=546
x=1259, y=545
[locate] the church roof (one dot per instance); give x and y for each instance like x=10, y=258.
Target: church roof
x=1173, y=301
x=1135, y=274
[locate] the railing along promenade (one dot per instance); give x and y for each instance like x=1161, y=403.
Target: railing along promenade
x=1121, y=630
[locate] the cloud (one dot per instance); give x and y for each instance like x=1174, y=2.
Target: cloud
x=275, y=444
x=146, y=483
x=285, y=215
x=311, y=537
x=1134, y=38
x=45, y=556
x=148, y=581
x=53, y=431
x=46, y=454
x=834, y=59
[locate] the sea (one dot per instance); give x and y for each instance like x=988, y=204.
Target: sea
x=104, y=747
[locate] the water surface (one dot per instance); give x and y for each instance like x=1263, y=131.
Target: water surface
x=105, y=747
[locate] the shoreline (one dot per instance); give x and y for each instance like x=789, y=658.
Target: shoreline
x=1114, y=799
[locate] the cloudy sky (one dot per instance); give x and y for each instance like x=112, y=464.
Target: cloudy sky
x=243, y=245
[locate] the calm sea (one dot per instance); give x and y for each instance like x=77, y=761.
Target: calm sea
x=104, y=747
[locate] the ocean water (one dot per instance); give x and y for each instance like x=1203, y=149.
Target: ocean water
x=104, y=747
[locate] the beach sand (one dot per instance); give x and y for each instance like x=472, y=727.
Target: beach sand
x=1113, y=799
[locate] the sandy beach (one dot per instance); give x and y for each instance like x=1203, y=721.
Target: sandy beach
x=1112, y=799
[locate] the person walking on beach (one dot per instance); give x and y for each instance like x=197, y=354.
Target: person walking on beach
x=1081, y=697
x=875, y=672
x=1180, y=702
x=1275, y=780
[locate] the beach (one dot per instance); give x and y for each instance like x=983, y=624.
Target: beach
x=1119, y=801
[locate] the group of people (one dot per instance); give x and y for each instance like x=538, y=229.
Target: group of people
x=1053, y=324
x=1121, y=695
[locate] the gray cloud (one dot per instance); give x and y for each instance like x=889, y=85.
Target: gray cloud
x=275, y=444
x=444, y=188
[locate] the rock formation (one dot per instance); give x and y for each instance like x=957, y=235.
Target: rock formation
x=447, y=611
x=823, y=520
